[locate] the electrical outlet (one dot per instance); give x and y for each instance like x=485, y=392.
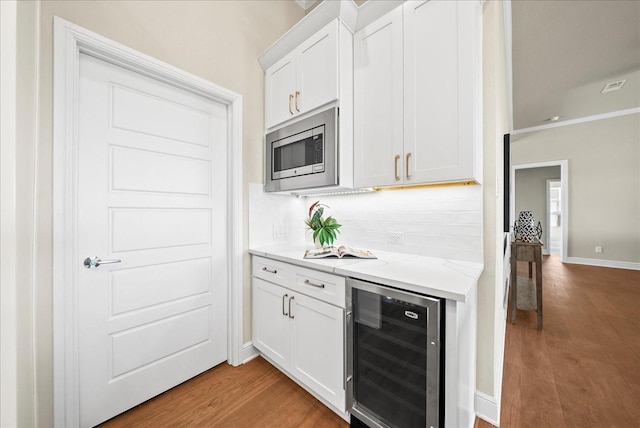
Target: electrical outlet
x=598, y=249
x=394, y=238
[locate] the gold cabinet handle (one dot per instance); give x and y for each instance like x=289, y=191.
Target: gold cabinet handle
x=395, y=165
x=407, y=170
x=297, y=96
x=290, y=99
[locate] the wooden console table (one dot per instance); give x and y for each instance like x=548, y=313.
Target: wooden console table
x=530, y=252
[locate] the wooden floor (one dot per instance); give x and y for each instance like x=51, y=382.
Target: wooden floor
x=581, y=370
x=255, y=394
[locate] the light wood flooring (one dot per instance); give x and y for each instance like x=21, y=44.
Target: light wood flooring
x=255, y=394
x=581, y=370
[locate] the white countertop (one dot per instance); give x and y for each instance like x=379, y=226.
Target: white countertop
x=449, y=279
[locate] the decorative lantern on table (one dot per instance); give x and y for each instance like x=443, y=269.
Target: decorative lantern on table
x=526, y=229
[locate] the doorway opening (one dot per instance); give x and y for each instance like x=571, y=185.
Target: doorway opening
x=529, y=192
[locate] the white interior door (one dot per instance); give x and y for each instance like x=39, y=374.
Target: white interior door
x=151, y=187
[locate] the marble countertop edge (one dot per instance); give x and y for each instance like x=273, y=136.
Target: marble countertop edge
x=445, y=278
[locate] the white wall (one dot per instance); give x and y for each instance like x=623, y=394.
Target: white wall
x=216, y=40
x=604, y=183
x=275, y=219
x=443, y=222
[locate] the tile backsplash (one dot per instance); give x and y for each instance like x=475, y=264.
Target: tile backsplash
x=438, y=222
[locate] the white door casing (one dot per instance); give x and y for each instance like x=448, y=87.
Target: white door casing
x=71, y=40
x=151, y=193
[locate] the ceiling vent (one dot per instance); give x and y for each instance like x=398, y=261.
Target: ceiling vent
x=613, y=86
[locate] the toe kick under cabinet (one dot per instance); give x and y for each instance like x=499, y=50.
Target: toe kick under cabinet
x=299, y=326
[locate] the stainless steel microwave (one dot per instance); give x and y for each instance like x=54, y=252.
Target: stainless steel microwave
x=304, y=154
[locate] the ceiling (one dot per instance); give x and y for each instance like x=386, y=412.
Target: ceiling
x=565, y=52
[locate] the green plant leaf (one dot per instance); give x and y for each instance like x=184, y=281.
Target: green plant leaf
x=317, y=215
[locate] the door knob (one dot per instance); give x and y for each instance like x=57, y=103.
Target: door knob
x=94, y=262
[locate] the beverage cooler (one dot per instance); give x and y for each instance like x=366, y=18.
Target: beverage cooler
x=395, y=357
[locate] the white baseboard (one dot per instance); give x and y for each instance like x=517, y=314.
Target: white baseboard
x=604, y=263
x=248, y=352
x=487, y=408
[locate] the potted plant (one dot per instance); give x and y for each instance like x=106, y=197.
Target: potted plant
x=324, y=229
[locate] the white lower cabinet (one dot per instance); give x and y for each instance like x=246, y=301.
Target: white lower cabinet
x=270, y=321
x=304, y=336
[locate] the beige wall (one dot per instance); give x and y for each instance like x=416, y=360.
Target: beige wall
x=216, y=40
x=604, y=182
x=25, y=184
x=531, y=194
x=495, y=124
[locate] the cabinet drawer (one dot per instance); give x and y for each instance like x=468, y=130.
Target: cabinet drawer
x=320, y=285
x=271, y=270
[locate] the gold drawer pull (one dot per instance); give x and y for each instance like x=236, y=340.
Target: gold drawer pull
x=290, y=99
x=407, y=170
x=297, y=96
x=306, y=281
x=269, y=270
x=395, y=165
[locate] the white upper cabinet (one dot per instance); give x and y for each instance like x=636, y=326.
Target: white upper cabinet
x=439, y=102
x=304, y=79
x=280, y=87
x=378, y=98
x=317, y=76
x=417, y=95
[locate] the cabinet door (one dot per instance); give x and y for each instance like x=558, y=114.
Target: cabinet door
x=378, y=115
x=317, y=76
x=270, y=324
x=438, y=104
x=280, y=88
x=317, y=348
